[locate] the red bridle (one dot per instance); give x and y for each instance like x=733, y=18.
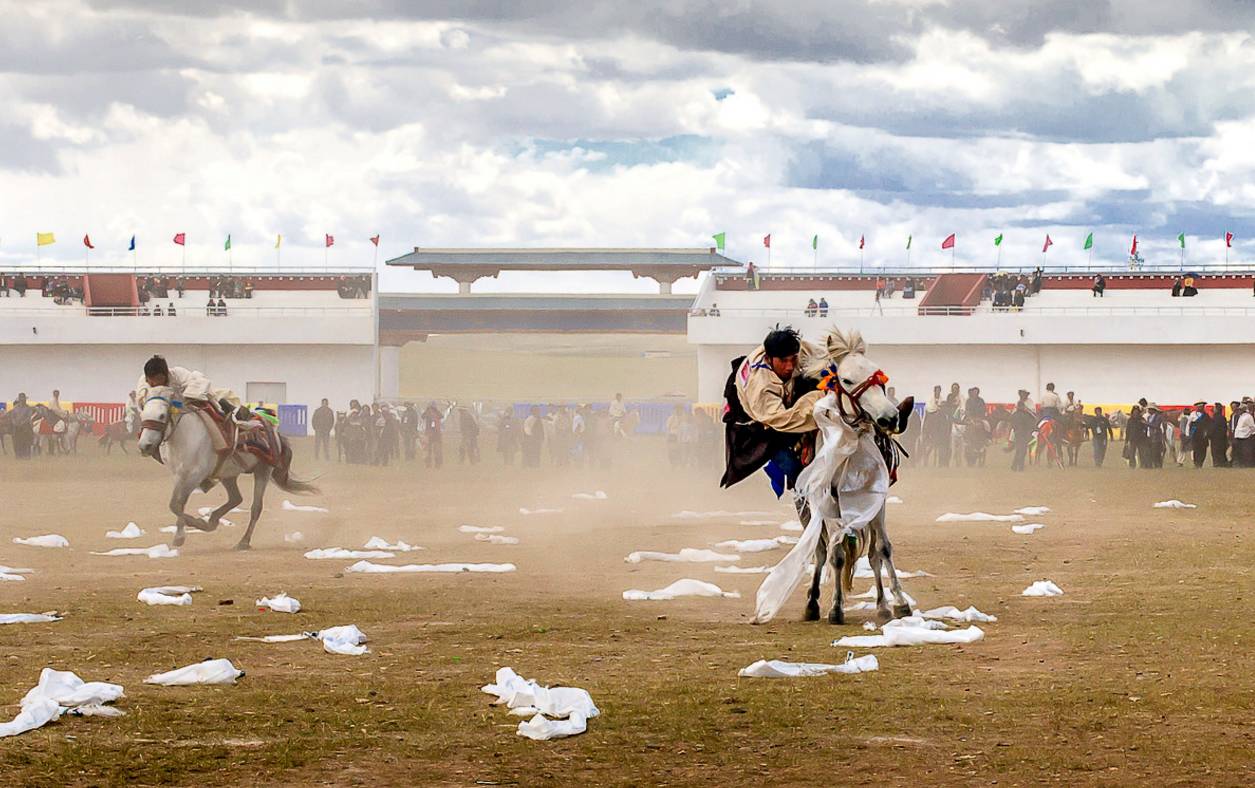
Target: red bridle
x=831, y=381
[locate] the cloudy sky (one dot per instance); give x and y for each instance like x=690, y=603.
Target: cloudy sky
x=649, y=123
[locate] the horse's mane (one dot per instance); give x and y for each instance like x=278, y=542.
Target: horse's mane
x=836, y=345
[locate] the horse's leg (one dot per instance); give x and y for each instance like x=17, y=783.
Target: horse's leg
x=812, y=595
x=178, y=502
x=874, y=559
x=232, y=485
x=836, y=554
x=261, y=477
x=901, y=607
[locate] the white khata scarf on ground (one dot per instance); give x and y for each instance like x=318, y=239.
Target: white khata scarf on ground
x=848, y=460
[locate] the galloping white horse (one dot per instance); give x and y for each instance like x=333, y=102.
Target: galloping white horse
x=862, y=407
x=182, y=441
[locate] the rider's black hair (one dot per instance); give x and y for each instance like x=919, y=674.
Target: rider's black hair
x=156, y=366
x=782, y=342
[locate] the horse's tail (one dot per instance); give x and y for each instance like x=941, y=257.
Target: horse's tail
x=853, y=547
x=282, y=474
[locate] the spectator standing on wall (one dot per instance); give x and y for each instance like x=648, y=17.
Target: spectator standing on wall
x=322, y=421
x=1099, y=286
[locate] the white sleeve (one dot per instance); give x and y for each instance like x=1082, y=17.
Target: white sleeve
x=193, y=384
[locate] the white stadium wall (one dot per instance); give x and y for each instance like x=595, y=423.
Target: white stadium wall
x=105, y=373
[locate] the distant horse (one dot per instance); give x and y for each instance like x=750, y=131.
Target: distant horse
x=1046, y=441
x=118, y=432
x=1071, y=433
x=181, y=440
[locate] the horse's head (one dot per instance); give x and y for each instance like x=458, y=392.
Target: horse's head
x=859, y=384
x=155, y=419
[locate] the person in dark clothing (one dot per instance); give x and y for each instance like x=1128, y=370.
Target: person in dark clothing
x=1023, y=423
x=409, y=430
x=433, y=424
x=1219, y=437
x=21, y=419
x=1099, y=286
x=1200, y=429
x=322, y=421
x=1154, y=446
x=1135, y=437
x=1100, y=433
x=1176, y=287
x=507, y=437
x=468, y=430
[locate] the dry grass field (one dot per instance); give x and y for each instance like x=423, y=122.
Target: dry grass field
x=1143, y=673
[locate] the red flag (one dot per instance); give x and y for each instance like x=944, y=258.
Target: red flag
x=860, y=242
x=179, y=238
x=1228, y=240
x=331, y=240
x=767, y=240
x=375, y=240
x=949, y=242
x=87, y=241
x=1133, y=249
x=1046, y=245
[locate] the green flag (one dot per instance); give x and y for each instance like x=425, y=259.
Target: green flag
x=719, y=239
x=227, y=246
x=908, y=242
x=815, y=242
x=998, y=240
x=1181, y=238
x=1089, y=241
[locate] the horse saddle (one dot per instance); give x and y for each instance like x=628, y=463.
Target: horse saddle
x=258, y=437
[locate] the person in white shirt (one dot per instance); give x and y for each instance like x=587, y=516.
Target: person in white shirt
x=617, y=411
x=1050, y=403
x=1244, y=436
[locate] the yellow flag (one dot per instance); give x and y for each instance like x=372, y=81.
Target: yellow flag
x=43, y=239
x=278, y=240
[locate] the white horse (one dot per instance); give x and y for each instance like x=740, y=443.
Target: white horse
x=182, y=442
x=862, y=403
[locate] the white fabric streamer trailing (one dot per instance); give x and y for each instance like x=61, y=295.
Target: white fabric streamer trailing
x=557, y=712
x=685, y=587
x=156, y=551
x=379, y=543
x=687, y=555
x=1027, y=528
x=782, y=669
x=131, y=531
x=280, y=603
x=851, y=461
x=1042, y=588
x=1033, y=511
x=367, y=567
x=59, y=692
x=211, y=671
x=496, y=539
x=288, y=506
x=47, y=540
x=980, y=517
x=324, y=553
x=1172, y=504
x=28, y=618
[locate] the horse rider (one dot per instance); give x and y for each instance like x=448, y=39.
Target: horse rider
x=764, y=415
x=1050, y=403
x=190, y=386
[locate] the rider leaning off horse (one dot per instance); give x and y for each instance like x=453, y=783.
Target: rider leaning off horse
x=769, y=411
x=193, y=389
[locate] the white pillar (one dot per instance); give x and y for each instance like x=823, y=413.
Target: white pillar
x=389, y=372
x=464, y=287
x=664, y=287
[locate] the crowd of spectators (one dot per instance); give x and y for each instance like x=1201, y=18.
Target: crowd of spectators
x=63, y=290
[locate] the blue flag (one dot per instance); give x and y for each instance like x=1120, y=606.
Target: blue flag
x=132, y=246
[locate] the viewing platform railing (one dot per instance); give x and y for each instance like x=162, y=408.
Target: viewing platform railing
x=983, y=309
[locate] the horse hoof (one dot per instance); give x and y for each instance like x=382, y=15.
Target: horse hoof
x=836, y=616
x=812, y=612
x=243, y=546
x=178, y=541
x=901, y=611
x=883, y=616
